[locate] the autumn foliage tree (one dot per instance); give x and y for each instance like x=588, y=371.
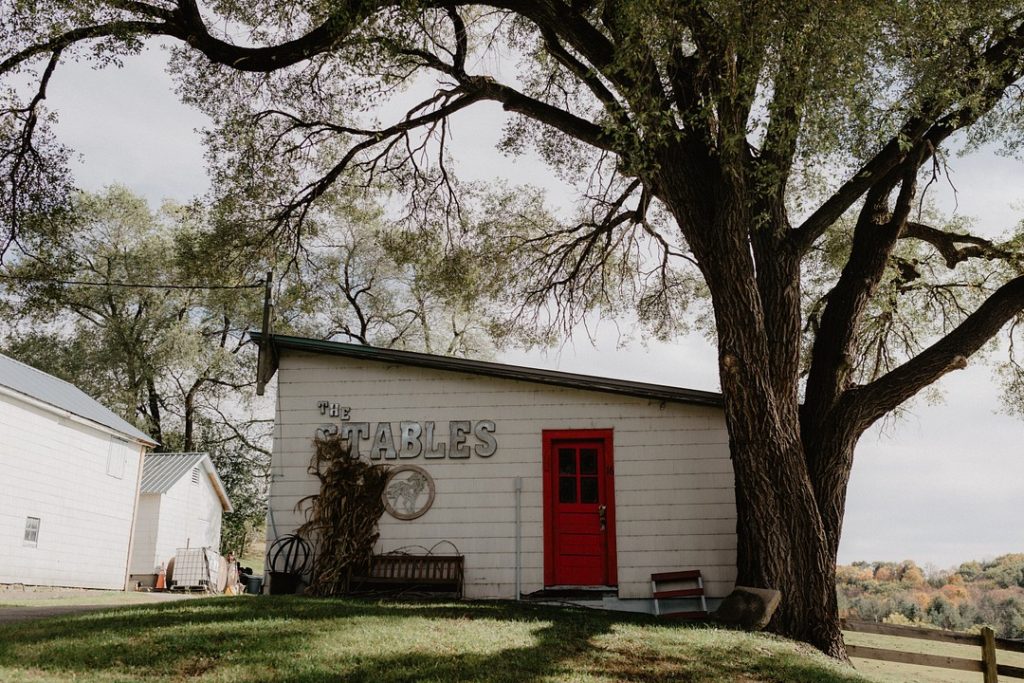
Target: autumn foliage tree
x=974, y=595
x=771, y=156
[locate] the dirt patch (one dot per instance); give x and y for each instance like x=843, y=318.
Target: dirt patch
x=20, y=603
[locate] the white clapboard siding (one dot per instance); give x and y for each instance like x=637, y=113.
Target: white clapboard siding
x=187, y=515
x=674, y=495
x=146, y=538
x=56, y=470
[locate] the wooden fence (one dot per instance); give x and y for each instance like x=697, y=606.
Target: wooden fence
x=987, y=641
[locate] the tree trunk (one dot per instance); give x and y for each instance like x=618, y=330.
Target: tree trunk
x=188, y=444
x=155, y=427
x=786, y=539
x=782, y=544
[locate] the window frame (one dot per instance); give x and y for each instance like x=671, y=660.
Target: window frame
x=32, y=529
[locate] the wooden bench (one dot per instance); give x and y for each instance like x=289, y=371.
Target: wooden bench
x=438, y=572
x=690, y=576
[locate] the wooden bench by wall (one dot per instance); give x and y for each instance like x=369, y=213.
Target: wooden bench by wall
x=437, y=572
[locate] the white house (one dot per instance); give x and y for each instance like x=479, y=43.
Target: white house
x=616, y=480
x=181, y=500
x=69, y=482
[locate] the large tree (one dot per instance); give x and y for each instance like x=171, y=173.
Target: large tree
x=776, y=148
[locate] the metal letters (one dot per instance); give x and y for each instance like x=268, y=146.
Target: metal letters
x=333, y=409
x=383, y=443
x=484, y=430
x=411, y=444
x=353, y=432
x=458, y=429
x=461, y=440
x=434, y=450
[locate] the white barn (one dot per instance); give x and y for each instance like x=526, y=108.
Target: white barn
x=617, y=480
x=181, y=499
x=69, y=482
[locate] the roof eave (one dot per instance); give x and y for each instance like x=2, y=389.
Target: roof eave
x=564, y=379
x=74, y=417
x=218, y=485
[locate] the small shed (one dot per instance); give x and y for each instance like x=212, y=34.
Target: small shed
x=181, y=500
x=542, y=481
x=69, y=482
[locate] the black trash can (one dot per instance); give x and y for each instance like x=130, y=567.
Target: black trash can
x=254, y=585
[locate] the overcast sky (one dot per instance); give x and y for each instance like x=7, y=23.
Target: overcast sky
x=943, y=485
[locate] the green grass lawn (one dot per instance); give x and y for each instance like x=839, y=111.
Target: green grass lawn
x=293, y=639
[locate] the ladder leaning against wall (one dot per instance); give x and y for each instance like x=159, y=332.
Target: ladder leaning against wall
x=694, y=588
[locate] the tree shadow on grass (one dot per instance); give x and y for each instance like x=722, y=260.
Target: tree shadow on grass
x=274, y=635
x=731, y=657
x=296, y=640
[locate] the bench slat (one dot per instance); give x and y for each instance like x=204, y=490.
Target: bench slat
x=422, y=569
x=676, y=576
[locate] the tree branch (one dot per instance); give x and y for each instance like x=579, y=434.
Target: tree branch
x=871, y=401
x=587, y=76
x=946, y=244
x=971, y=98
x=24, y=150
x=874, y=238
x=327, y=36
x=115, y=28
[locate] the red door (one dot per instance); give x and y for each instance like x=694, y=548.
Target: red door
x=579, y=508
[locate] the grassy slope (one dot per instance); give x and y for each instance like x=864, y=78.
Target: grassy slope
x=301, y=639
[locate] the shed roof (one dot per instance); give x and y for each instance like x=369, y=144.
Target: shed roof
x=36, y=384
x=658, y=392
x=161, y=471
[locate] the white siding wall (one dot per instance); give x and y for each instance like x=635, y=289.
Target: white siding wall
x=56, y=470
x=190, y=516
x=144, y=554
x=205, y=514
x=674, y=497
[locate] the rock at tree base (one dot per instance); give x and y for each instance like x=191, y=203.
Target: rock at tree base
x=748, y=608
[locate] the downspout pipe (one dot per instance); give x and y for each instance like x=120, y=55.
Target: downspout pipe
x=519, y=538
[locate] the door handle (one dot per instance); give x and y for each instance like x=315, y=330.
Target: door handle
x=602, y=515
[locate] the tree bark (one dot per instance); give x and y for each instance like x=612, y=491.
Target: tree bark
x=782, y=543
x=786, y=539
x=155, y=427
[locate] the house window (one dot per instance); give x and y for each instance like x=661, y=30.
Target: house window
x=31, y=531
x=195, y=475
x=115, y=460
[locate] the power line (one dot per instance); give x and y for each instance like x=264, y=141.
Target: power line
x=133, y=285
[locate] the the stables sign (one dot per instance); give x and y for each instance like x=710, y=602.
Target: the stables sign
x=406, y=440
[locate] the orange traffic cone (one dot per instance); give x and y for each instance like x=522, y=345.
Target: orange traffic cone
x=161, y=578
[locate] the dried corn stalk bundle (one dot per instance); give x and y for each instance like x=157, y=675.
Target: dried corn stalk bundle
x=341, y=520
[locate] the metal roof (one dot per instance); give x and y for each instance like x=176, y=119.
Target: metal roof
x=658, y=392
x=161, y=471
x=36, y=384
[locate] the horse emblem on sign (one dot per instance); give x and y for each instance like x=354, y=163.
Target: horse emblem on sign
x=409, y=492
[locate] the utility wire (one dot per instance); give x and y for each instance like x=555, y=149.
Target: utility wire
x=134, y=285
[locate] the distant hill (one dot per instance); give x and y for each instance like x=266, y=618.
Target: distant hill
x=976, y=594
